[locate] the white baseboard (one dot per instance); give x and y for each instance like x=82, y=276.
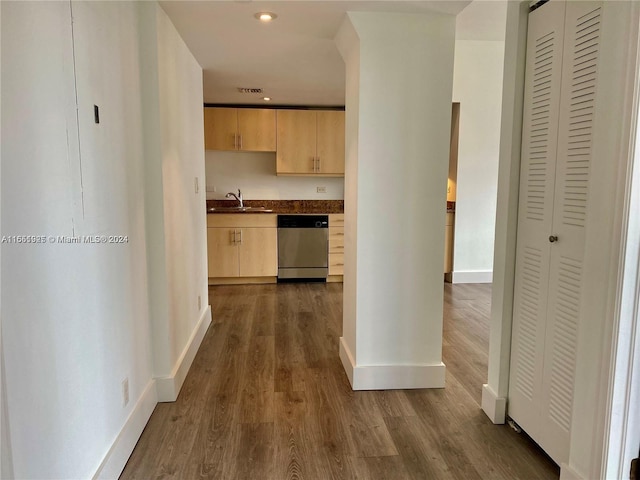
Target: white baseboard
x=390, y=377
x=568, y=473
x=479, y=276
x=347, y=360
x=495, y=407
x=122, y=447
x=169, y=387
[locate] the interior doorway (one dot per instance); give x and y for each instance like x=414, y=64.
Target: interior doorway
x=449, y=229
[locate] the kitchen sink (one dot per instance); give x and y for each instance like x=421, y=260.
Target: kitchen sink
x=239, y=210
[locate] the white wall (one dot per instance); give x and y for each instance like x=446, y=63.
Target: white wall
x=182, y=140
x=6, y=464
x=176, y=213
x=255, y=174
x=77, y=319
x=477, y=86
x=400, y=68
x=74, y=317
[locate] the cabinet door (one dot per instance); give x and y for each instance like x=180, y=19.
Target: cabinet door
x=220, y=128
x=296, y=142
x=330, y=142
x=258, y=252
x=257, y=129
x=222, y=252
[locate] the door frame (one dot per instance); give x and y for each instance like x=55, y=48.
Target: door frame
x=608, y=370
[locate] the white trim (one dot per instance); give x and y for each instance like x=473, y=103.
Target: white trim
x=504, y=257
x=124, y=443
x=475, y=276
x=169, y=387
x=622, y=405
x=495, y=407
x=347, y=360
x=390, y=377
x=568, y=473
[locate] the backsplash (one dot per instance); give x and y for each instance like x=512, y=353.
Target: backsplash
x=255, y=175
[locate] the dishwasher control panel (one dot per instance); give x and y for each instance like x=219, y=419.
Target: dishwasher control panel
x=303, y=221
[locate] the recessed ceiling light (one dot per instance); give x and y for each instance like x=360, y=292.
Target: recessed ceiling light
x=265, y=16
x=266, y=99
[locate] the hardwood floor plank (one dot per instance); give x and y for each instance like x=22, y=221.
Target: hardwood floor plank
x=421, y=456
x=255, y=452
x=267, y=398
x=385, y=468
x=394, y=403
x=257, y=389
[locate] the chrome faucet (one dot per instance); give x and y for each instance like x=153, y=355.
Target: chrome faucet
x=237, y=197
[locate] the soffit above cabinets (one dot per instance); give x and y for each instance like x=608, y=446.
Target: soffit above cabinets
x=293, y=58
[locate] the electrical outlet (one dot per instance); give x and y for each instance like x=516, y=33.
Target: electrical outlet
x=212, y=188
x=199, y=302
x=321, y=189
x=197, y=185
x=125, y=392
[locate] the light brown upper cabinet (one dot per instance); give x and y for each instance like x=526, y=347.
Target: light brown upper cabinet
x=310, y=143
x=240, y=129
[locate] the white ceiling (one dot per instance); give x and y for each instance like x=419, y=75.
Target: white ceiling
x=294, y=58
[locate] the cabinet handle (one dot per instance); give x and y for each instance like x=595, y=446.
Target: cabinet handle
x=235, y=141
x=318, y=165
x=234, y=236
x=240, y=236
x=313, y=160
x=240, y=135
x=553, y=238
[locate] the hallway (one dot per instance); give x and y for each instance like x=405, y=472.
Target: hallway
x=267, y=398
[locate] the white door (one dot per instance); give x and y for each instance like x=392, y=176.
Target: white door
x=535, y=212
x=577, y=104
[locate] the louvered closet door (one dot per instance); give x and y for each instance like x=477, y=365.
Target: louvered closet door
x=577, y=104
x=535, y=213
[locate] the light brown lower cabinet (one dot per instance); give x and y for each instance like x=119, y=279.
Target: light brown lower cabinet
x=448, y=244
x=336, y=246
x=242, y=246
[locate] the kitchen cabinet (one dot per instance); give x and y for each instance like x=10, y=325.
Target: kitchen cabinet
x=448, y=243
x=336, y=247
x=240, y=129
x=242, y=248
x=310, y=142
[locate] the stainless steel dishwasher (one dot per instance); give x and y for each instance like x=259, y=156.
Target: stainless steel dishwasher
x=303, y=247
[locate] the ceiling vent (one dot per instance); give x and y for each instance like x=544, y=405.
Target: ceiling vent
x=250, y=90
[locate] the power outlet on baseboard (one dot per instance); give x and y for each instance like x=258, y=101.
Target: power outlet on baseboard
x=321, y=189
x=125, y=392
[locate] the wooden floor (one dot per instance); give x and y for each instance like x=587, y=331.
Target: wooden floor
x=267, y=398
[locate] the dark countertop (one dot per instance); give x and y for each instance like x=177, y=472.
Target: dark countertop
x=294, y=206
x=284, y=206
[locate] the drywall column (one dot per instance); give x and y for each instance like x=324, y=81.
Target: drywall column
x=399, y=70
x=494, y=393
x=175, y=202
